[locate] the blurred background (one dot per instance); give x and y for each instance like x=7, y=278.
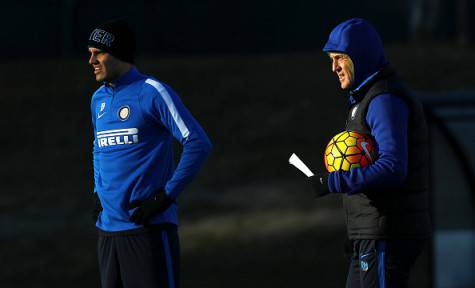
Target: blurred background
x=253, y=74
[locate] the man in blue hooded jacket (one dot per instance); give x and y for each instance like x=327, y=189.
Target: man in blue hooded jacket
x=135, y=119
x=386, y=203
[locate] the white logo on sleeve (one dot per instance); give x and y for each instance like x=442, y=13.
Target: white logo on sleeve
x=363, y=145
x=101, y=113
x=115, y=137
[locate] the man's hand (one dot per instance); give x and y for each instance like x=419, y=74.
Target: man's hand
x=319, y=183
x=149, y=207
x=97, y=207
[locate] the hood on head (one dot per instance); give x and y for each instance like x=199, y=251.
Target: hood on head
x=359, y=40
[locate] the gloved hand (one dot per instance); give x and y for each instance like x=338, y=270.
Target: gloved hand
x=319, y=183
x=149, y=207
x=97, y=207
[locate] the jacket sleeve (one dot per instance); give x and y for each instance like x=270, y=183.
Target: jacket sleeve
x=95, y=159
x=163, y=106
x=387, y=118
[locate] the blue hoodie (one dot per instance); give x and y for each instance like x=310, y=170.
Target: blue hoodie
x=135, y=121
x=387, y=115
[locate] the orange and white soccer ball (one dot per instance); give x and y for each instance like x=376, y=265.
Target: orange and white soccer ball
x=348, y=150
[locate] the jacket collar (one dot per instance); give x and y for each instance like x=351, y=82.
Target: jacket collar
x=128, y=77
x=357, y=94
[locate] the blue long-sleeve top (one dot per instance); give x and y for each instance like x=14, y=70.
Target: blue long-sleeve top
x=387, y=118
x=387, y=115
x=135, y=121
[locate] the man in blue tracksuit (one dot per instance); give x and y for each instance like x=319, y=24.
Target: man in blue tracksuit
x=135, y=118
x=386, y=203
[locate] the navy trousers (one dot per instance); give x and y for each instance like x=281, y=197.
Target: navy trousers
x=382, y=263
x=146, y=258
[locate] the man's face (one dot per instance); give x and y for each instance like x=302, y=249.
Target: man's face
x=106, y=66
x=343, y=67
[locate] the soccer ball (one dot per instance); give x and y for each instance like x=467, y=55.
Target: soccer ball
x=348, y=150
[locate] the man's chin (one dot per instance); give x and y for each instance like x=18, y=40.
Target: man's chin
x=99, y=78
x=344, y=87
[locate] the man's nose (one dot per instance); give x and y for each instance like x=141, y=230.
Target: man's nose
x=92, y=59
x=335, y=66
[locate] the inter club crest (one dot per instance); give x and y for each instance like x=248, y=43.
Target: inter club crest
x=124, y=113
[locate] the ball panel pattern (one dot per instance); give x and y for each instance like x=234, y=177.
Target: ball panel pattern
x=348, y=150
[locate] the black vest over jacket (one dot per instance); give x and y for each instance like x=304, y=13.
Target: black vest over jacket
x=393, y=212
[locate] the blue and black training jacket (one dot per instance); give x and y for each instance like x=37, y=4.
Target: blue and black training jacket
x=388, y=198
x=387, y=115
x=135, y=121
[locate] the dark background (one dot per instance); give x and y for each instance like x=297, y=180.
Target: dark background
x=54, y=28
x=253, y=74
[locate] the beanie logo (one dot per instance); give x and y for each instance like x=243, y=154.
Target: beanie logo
x=102, y=37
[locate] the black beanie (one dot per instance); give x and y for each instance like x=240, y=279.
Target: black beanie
x=116, y=38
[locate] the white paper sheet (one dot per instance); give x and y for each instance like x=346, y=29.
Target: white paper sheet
x=295, y=160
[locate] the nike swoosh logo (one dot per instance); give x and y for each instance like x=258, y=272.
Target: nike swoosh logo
x=99, y=115
x=364, y=144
